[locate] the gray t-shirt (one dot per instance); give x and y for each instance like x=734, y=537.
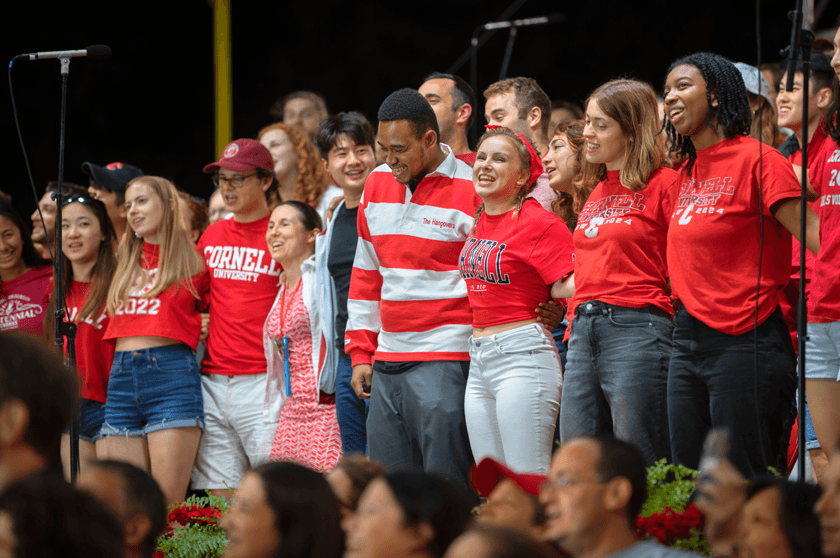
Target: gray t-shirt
x=652, y=549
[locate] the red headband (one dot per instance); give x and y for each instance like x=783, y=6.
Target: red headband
x=536, y=164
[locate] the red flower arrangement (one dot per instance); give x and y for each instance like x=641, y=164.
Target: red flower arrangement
x=196, y=530
x=670, y=526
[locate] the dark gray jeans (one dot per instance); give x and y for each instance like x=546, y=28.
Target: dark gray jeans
x=416, y=420
x=713, y=383
x=616, y=377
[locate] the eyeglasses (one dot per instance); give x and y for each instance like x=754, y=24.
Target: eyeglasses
x=564, y=482
x=235, y=181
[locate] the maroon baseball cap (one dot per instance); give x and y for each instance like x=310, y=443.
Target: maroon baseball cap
x=489, y=473
x=243, y=155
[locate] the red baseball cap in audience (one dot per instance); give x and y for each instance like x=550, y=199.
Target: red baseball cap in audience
x=243, y=155
x=487, y=474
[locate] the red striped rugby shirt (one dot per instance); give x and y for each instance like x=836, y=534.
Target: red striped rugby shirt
x=407, y=299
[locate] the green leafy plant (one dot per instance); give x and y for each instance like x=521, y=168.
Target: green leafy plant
x=668, y=485
x=667, y=515
x=200, y=534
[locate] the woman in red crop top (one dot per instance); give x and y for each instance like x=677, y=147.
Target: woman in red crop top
x=154, y=413
x=732, y=363
x=89, y=263
x=620, y=334
x=517, y=253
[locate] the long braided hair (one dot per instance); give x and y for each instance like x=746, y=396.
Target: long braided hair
x=732, y=115
x=525, y=163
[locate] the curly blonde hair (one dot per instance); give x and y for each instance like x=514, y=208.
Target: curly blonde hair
x=311, y=180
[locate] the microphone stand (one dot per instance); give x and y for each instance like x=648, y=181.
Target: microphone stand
x=491, y=27
x=63, y=329
x=800, y=45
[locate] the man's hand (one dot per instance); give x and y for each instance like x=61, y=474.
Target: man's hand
x=205, y=327
x=550, y=314
x=362, y=375
x=333, y=204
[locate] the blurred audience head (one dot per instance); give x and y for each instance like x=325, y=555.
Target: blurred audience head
x=283, y=509
x=512, y=498
x=38, y=398
x=491, y=541
x=406, y=514
x=42, y=516
x=828, y=506
x=778, y=520
x=595, y=490
x=134, y=498
x=349, y=478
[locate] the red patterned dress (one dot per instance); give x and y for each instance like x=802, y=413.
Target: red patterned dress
x=308, y=430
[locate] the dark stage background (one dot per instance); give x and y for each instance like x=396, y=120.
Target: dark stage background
x=151, y=103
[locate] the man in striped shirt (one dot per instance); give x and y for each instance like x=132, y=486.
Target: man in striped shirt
x=409, y=318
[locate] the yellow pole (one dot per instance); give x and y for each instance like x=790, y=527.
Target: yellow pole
x=224, y=103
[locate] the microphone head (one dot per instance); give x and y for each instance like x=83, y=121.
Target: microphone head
x=98, y=52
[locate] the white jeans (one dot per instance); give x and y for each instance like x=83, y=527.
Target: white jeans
x=513, y=396
x=236, y=436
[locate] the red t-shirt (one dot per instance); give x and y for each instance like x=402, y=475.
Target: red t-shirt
x=510, y=263
x=94, y=355
x=713, y=239
x=243, y=285
x=24, y=300
x=620, y=242
x=824, y=301
x=172, y=314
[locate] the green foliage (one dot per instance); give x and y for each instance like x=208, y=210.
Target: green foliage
x=200, y=535
x=193, y=541
x=668, y=485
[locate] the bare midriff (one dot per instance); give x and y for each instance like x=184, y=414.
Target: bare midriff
x=493, y=330
x=143, y=342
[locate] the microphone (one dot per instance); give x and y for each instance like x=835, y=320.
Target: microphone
x=544, y=20
x=94, y=52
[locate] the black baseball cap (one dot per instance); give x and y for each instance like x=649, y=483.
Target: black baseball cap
x=114, y=176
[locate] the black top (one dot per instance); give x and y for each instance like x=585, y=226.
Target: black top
x=345, y=235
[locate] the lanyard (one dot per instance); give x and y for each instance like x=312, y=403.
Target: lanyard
x=285, y=350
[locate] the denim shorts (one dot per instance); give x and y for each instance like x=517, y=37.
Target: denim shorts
x=91, y=415
x=153, y=389
x=823, y=351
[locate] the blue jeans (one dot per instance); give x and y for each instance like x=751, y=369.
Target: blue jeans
x=91, y=415
x=616, y=377
x=352, y=412
x=417, y=420
x=712, y=384
x=153, y=389
x=811, y=442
